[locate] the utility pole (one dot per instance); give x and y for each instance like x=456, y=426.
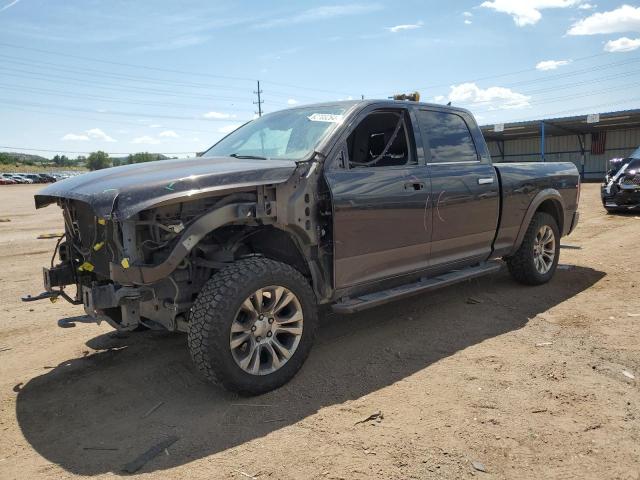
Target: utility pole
x=260, y=101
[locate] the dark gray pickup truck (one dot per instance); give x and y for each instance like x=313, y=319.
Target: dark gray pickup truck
x=351, y=204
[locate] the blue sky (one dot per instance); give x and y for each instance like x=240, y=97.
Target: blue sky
x=168, y=76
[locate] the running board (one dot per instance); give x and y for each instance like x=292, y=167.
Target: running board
x=369, y=300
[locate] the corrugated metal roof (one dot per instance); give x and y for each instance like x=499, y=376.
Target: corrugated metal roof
x=623, y=119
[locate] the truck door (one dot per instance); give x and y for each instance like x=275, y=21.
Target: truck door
x=379, y=190
x=464, y=184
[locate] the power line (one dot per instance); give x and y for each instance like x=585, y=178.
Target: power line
x=528, y=70
x=100, y=120
x=589, y=108
x=604, y=66
x=147, y=90
x=94, y=97
x=90, y=71
x=123, y=64
x=167, y=70
x=556, y=99
x=118, y=113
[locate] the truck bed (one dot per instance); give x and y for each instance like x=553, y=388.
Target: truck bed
x=520, y=184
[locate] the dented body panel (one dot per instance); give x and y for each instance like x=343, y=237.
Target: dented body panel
x=126, y=190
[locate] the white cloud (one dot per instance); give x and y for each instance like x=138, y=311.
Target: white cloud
x=527, y=12
x=551, y=64
x=217, y=115
x=467, y=14
x=72, y=137
x=155, y=125
x=587, y=6
x=292, y=101
x=322, y=13
x=146, y=139
x=168, y=134
x=439, y=99
x=496, y=97
x=623, y=44
x=97, y=134
x=623, y=19
x=468, y=22
x=406, y=26
x=8, y=5
x=92, y=134
x=228, y=128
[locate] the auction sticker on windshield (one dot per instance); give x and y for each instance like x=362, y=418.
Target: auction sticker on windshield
x=325, y=117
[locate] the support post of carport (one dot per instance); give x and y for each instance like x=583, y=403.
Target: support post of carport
x=500, y=145
x=542, y=140
x=583, y=154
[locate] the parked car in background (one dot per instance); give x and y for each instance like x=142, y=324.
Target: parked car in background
x=621, y=188
x=20, y=178
x=46, y=178
x=35, y=177
x=6, y=180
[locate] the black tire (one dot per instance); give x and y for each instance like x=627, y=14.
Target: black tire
x=614, y=210
x=214, y=312
x=522, y=264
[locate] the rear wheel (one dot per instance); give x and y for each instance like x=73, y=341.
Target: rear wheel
x=252, y=325
x=536, y=260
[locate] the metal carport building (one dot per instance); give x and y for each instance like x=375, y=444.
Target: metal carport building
x=589, y=141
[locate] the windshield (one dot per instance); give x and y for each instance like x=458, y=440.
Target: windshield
x=635, y=154
x=289, y=134
x=633, y=166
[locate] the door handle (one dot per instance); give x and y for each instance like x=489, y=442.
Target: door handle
x=414, y=186
x=485, y=181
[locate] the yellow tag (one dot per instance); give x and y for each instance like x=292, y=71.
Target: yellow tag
x=86, y=266
x=98, y=246
x=125, y=263
x=102, y=221
x=53, y=299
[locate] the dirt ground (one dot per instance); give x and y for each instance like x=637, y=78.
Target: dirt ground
x=526, y=382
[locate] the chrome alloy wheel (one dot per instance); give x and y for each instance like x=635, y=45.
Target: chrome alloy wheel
x=266, y=330
x=544, y=249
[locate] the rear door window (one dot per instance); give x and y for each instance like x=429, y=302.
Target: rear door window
x=447, y=137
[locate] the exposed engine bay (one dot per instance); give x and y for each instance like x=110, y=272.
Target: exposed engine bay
x=147, y=270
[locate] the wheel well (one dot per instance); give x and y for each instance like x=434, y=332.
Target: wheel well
x=277, y=245
x=553, y=208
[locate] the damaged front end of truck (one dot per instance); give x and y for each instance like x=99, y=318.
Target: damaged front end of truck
x=621, y=188
x=140, y=241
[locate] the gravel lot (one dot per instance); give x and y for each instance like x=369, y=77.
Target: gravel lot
x=489, y=375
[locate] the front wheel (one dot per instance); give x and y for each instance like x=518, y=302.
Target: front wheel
x=253, y=325
x=536, y=260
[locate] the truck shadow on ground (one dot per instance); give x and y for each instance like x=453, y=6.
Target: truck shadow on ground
x=94, y=414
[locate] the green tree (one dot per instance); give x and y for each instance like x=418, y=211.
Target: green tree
x=98, y=160
x=60, y=161
x=142, y=157
x=5, y=158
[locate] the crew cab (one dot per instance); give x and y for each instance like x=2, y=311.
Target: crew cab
x=349, y=204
